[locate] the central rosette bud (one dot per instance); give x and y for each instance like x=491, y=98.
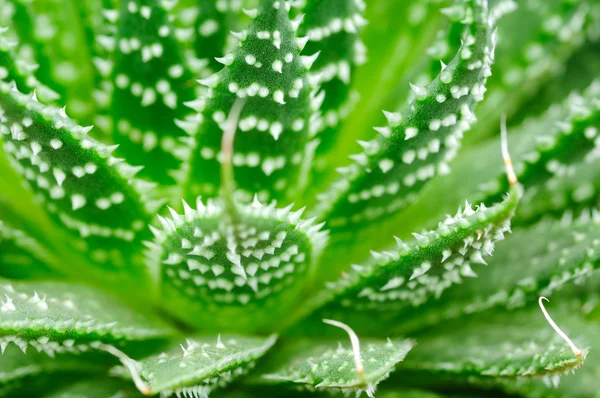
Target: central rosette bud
x=237, y=271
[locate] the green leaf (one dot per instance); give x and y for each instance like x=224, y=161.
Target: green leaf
x=32, y=373
x=273, y=151
x=151, y=84
x=333, y=27
x=417, y=143
x=582, y=384
x=531, y=262
x=97, y=388
x=500, y=345
x=577, y=190
x=203, y=25
x=317, y=365
x=50, y=35
x=203, y=364
x=572, y=139
x=12, y=68
x=478, y=173
x=22, y=256
x=92, y=195
x=398, y=41
x=58, y=317
x=534, y=43
x=411, y=274
x=241, y=273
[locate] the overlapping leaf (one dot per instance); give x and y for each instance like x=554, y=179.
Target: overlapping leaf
x=413, y=273
x=417, y=143
x=535, y=41
x=334, y=29
x=21, y=255
x=30, y=374
x=56, y=317
x=274, y=149
x=202, y=364
x=316, y=365
x=237, y=271
x=84, y=189
x=502, y=345
x=12, y=68
x=97, y=388
x=151, y=83
x=531, y=262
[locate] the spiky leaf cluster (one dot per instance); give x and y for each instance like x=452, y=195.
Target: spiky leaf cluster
x=183, y=210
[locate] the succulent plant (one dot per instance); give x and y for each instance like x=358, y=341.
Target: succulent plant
x=210, y=235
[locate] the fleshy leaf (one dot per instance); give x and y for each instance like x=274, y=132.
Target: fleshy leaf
x=529, y=57
x=506, y=345
x=91, y=194
x=12, y=68
x=411, y=274
x=238, y=273
x=333, y=27
x=328, y=366
x=28, y=375
x=202, y=364
x=531, y=262
x=21, y=255
x=417, y=143
x=203, y=26
x=398, y=38
x=49, y=35
x=572, y=139
x=58, y=317
x=560, y=192
x=583, y=383
x=274, y=149
x=97, y=388
x=151, y=84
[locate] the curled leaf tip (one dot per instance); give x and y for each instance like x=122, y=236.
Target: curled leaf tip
x=360, y=370
x=578, y=353
x=510, y=172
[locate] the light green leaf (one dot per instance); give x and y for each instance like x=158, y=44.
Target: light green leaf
x=30, y=374
x=411, y=274
x=89, y=193
x=22, y=256
x=58, y=317
x=240, y=272
x=202, y=364
x=273, y=151
x=502, y=345
x=327, y=366
x=417, y=143
x=151, y=84
x=531, y=262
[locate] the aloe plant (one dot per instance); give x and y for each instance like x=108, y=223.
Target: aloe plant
x=193, y=202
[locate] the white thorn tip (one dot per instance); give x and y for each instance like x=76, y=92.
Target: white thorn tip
x=558, y=330
x=360, y=370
